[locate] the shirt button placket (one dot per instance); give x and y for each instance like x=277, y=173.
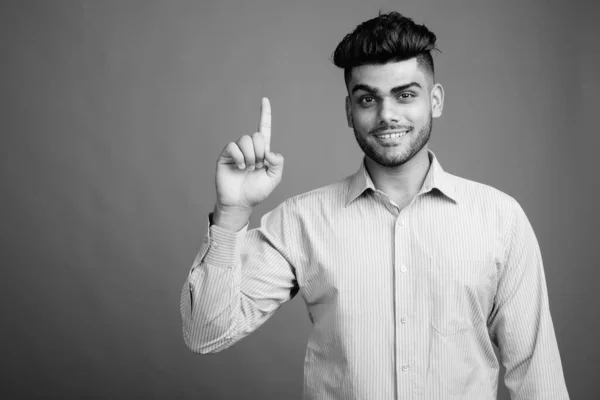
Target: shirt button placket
x=401, y=317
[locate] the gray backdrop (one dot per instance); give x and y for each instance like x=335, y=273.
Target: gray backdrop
x=112, y=116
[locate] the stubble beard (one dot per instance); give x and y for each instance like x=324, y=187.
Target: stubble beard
x=371, y=150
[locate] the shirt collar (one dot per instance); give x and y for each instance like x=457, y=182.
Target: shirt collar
x=436, y=178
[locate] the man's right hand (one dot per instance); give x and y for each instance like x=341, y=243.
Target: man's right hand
x=247, y=173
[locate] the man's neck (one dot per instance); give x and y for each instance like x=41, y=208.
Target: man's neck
x=400, y=183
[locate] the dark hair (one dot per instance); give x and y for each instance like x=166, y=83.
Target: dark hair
x=387, y=37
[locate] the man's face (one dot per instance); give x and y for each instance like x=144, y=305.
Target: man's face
x=390, y=108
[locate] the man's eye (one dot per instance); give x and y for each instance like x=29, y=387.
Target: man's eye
x=367, y=100
x=406, y=95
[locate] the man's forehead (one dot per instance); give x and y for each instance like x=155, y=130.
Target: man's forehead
x=389, y=75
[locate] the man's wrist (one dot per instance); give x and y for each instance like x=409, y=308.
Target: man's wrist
x=231, y=218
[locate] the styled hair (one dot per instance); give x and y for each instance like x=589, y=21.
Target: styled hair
x=386, y=38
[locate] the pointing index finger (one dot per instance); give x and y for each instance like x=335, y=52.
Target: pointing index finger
x=264, y=125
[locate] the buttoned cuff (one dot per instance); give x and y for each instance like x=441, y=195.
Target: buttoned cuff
x=222, y=247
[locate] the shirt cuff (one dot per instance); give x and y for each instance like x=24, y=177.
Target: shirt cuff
x=223, y=247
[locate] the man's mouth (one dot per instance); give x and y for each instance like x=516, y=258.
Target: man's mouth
x=392, y=134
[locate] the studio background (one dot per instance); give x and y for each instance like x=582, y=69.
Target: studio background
x=113, y=114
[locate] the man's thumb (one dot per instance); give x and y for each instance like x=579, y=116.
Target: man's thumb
x=275, y=163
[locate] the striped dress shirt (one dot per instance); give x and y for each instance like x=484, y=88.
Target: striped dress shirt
x=404, y=303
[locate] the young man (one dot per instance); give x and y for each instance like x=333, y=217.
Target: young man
x=410, y=274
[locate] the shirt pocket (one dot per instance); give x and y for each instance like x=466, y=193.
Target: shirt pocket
x=454, y=284
x=452, y=363
x=455, y=288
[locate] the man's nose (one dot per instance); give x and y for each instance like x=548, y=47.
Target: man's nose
x=388, y=113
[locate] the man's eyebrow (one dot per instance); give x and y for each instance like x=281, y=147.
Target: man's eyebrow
x=402, y=88
x=367, y=88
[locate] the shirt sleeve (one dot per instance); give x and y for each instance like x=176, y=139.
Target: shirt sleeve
x=520, y=323
x=237, y=281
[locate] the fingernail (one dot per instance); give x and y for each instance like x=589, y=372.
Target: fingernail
x=242, y=166
x=251, y=168
x=259, y=165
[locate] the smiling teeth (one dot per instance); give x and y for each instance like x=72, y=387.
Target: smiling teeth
x=391, y=135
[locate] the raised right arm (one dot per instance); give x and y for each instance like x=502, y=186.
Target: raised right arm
x=239, y=278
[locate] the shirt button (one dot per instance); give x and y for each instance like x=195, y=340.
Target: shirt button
x=403, y=268
x=215, y=245
x=405, y=368
x=205, y=240
x=404, y=319
x=400, y=223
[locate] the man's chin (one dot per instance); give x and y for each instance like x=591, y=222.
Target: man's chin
x=394, y=163
x=389, y=162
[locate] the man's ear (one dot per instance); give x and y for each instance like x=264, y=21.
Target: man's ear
x=349, y=113
x=437, y=100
